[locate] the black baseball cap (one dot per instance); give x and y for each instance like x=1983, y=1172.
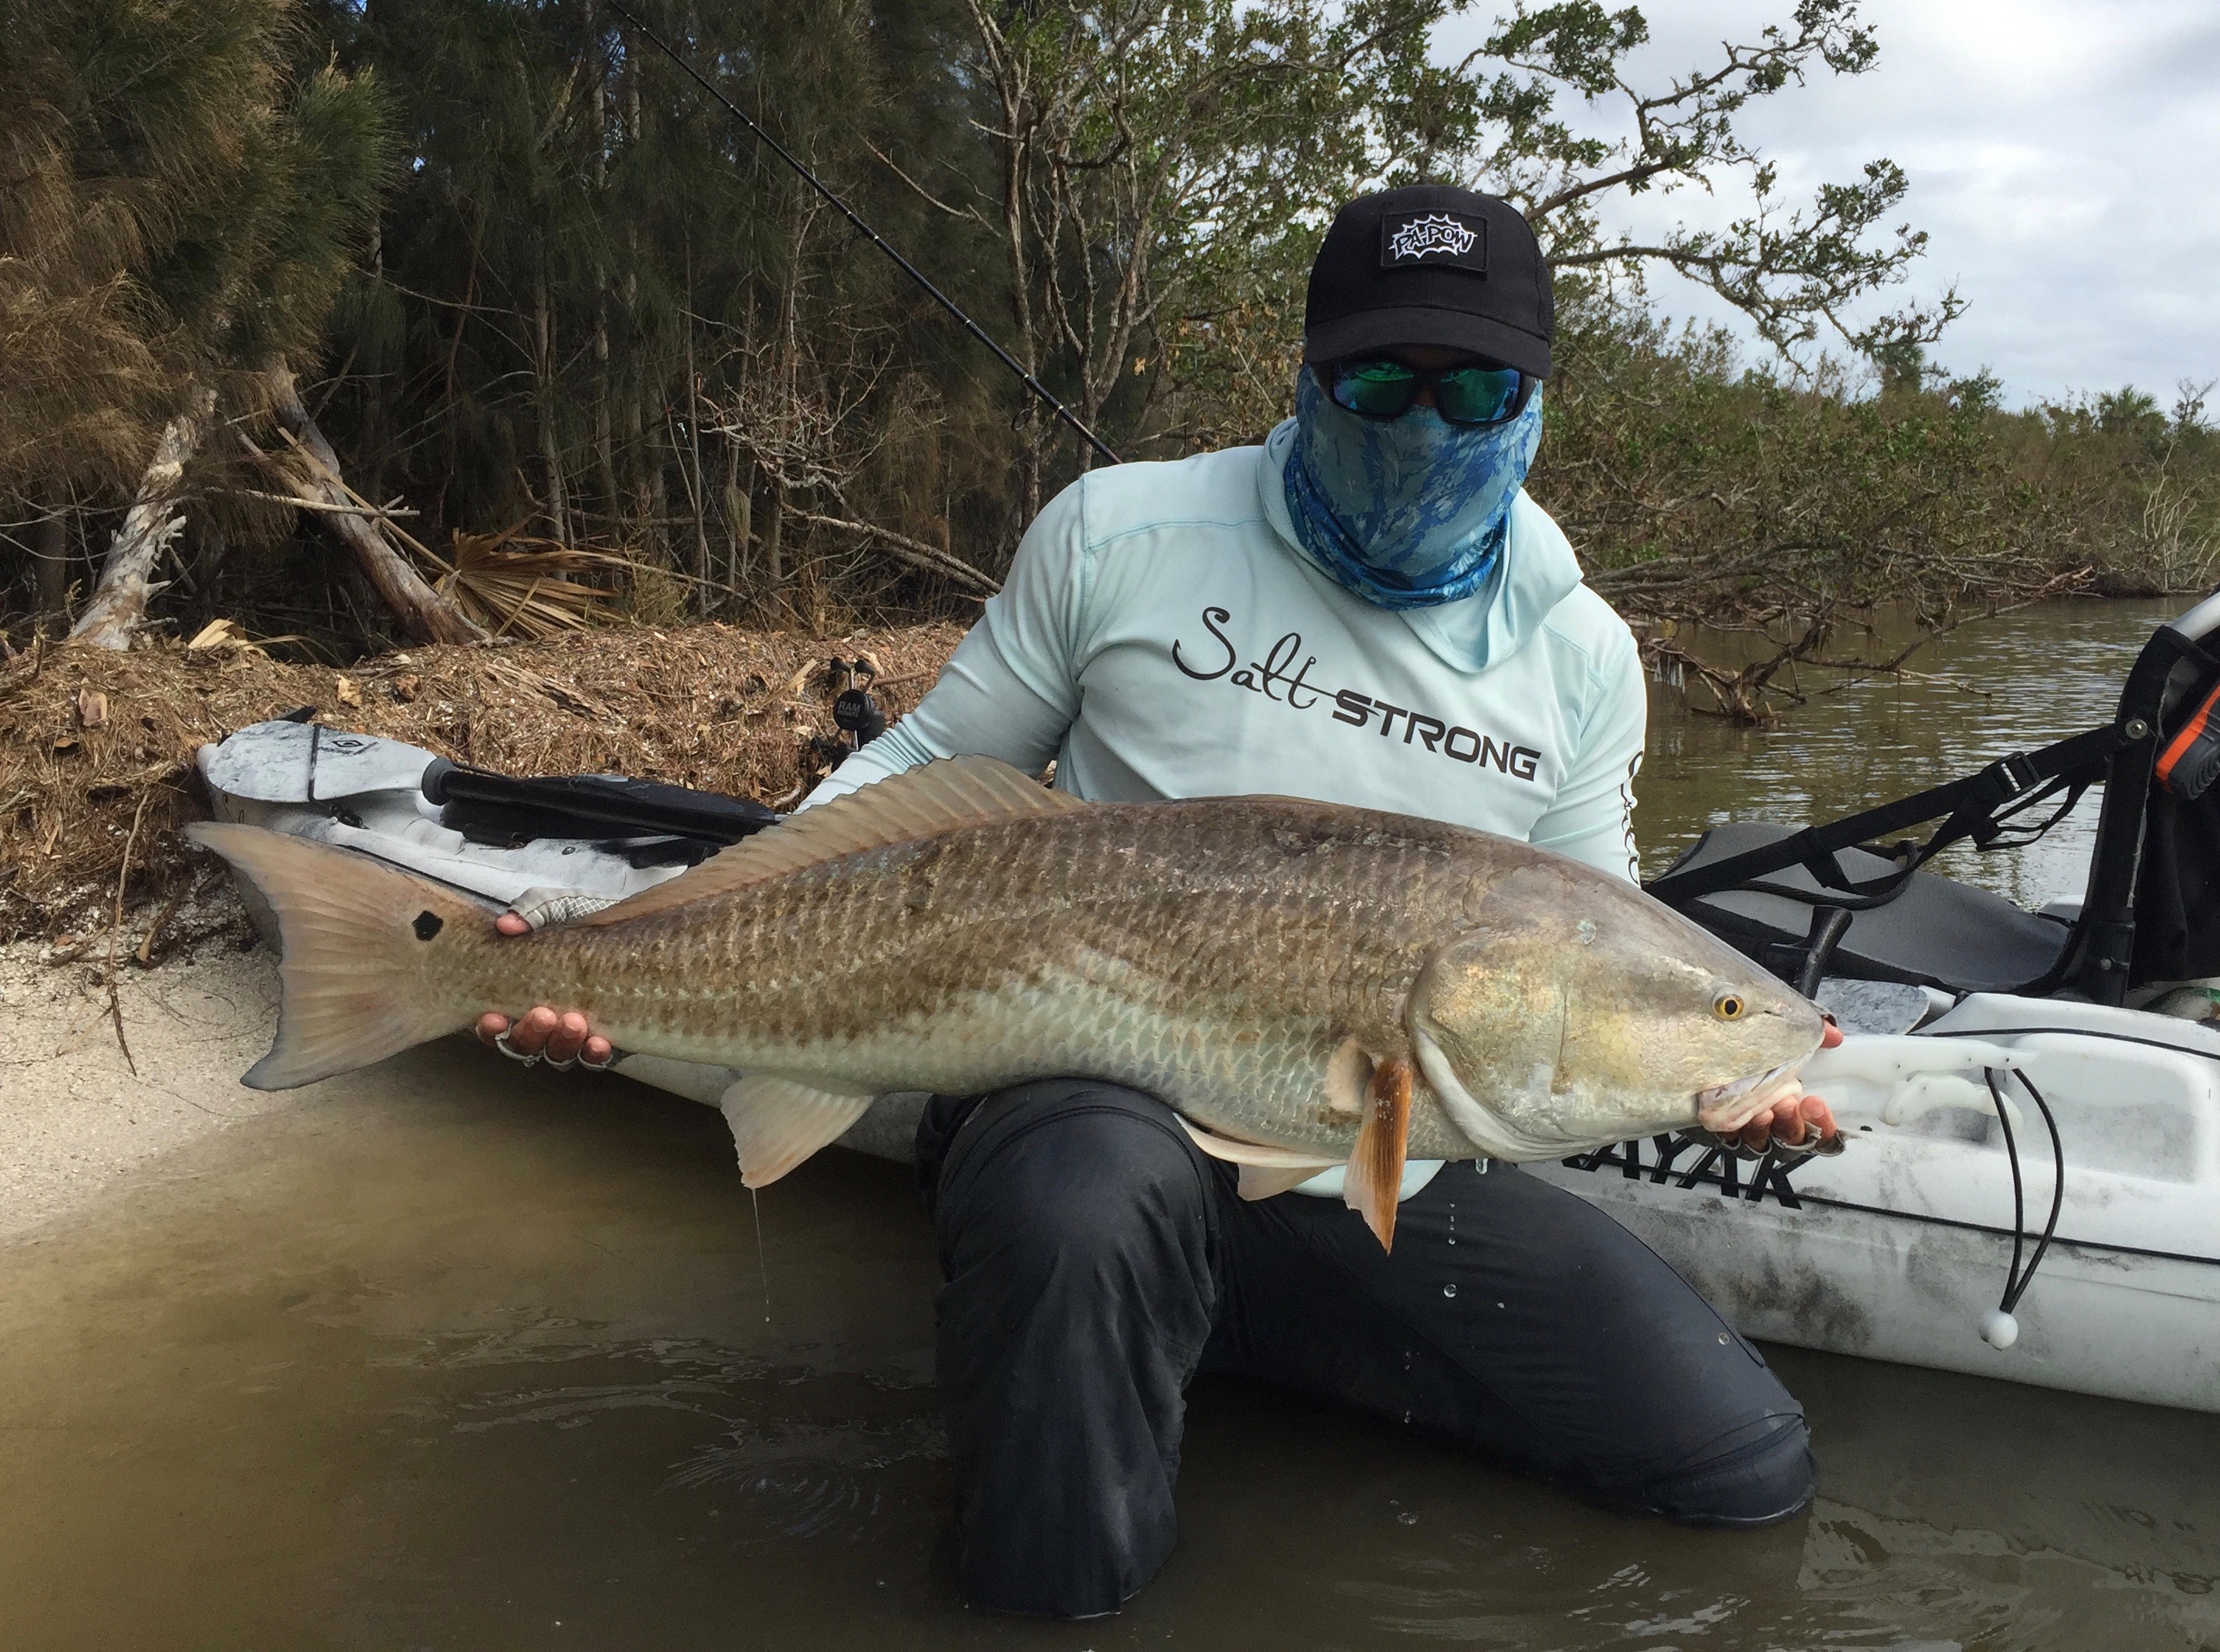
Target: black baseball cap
x=1434, y=265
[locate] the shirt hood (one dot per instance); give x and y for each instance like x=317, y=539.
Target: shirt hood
x=1536, y=570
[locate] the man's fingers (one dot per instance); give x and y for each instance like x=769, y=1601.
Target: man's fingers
x=1819, y=1117
x=543, y=1033
x=569, y=1035
x=530, y=1035
x=1788, y=1123
x=510, y=924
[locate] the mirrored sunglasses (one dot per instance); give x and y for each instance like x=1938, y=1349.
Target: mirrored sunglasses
x=1462, y=395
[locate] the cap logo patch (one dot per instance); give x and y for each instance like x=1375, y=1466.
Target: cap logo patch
x=1434, y=238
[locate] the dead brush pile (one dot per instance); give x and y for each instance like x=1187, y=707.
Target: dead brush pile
x=94, y=744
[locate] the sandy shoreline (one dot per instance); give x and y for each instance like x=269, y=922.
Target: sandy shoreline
x=75, y=1118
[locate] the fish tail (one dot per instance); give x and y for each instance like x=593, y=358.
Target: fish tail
x=355, y=939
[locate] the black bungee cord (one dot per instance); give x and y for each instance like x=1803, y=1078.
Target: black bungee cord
x=1998, y=1328
x=1047, y=396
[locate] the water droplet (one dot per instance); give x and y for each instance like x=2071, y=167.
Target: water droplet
x=1449, y=1290
x=763, y=1257
x=1407, y=1519
x=1406, y=1359
x=1452, y=1239
x=1406, y=1420
x=1723, y=1339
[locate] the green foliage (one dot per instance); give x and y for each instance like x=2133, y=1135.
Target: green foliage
x=591, y=302
x=1164, y=173
x=1796, y=271
x=2129, y=412
x=598, y=302
x=1702, y=492
x=1499, y=119
x=182, y=191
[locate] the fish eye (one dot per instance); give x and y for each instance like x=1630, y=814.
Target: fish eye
x=1728, y=1006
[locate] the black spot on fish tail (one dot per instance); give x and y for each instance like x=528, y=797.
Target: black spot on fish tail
x=427, y=925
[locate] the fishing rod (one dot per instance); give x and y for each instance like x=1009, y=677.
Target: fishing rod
x=870, y=235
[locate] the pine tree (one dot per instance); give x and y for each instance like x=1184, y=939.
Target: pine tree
x=185, y=191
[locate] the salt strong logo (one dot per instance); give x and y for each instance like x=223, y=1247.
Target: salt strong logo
x=1273, y=679
x=1436, y=232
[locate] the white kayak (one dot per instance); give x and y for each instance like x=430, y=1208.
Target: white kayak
x=1902, y=1247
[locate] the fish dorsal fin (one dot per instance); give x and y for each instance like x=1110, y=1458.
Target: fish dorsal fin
x=921, y=802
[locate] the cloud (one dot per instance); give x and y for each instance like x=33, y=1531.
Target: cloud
x=2059, y=154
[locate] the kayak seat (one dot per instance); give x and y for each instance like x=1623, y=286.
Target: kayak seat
x=1937, y=933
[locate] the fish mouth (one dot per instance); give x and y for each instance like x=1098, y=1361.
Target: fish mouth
x=1727, y=1107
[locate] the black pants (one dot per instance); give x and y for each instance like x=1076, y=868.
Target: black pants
x=1095, y=1260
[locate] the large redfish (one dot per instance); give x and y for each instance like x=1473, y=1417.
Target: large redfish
x=1307, y=984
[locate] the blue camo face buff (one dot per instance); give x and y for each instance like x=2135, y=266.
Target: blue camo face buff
x=1408, y=512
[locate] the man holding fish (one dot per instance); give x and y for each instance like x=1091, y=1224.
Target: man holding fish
x=1365, y=611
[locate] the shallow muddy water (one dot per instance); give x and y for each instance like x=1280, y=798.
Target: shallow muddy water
x=2009, y=685
x=453, y=1356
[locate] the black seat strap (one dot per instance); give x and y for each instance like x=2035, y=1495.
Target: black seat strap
x=1970, y=805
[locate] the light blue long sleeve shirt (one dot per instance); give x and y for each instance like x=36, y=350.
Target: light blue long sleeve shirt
x=1163, y=635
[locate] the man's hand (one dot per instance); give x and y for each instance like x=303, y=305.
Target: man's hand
x=1794, y=1121
x=543, y=1032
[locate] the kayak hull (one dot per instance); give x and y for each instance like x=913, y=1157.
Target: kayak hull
x=1859, y=1278
x=1900, y=1247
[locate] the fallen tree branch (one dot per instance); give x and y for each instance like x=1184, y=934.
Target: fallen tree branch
x=297, y=503
x=119, y=603
x=122, y=876
x=916, y=552
x=425, y=615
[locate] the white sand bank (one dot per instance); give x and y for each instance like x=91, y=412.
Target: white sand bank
x=74, y=1118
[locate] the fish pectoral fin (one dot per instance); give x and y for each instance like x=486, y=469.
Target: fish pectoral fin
x=1376, y=1164
x=778, y=1122
x=1301, y=1163
x=1267, y=1181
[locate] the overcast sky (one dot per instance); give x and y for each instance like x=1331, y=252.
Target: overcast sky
x=2064, y=157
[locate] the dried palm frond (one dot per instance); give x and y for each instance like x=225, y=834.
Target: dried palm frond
x=514, y=585
x=229, y=636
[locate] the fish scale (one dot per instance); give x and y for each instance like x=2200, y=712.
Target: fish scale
x=962, y=929
x=1265, y=965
